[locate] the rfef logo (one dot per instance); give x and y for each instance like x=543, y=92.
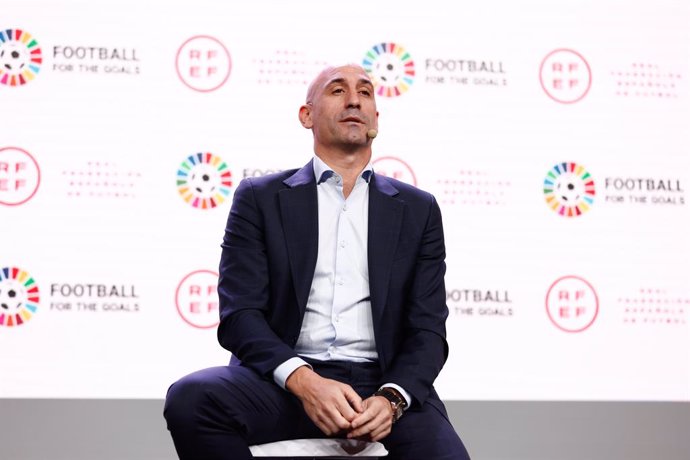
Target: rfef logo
x=196, y=299
x=565, y=76
x=391, y=69
x=19, y=296
x=572, y=304
x=204, y=180
x=19, y=176
x=569, y=189
x=203, y=63
x=395, y=168
x=20, y=57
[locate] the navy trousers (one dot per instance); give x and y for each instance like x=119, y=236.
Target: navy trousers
x=217, y=413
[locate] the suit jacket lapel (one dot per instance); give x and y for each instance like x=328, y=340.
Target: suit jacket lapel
x=385, y=221
x=299, y=211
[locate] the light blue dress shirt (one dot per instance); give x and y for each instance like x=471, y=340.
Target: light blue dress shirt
x=338, y=323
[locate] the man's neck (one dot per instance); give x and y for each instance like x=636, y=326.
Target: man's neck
x=348, y=165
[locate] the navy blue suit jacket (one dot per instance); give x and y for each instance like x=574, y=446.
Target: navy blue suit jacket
x=268, y=261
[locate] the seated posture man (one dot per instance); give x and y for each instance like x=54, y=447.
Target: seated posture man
x=332, y=302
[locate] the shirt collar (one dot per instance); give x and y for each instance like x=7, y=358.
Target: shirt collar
x=323, y=172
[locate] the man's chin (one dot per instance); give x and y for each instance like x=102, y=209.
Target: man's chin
x=354, y=144
x=358, y=138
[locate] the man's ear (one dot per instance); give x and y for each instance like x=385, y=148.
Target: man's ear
x=305, y=116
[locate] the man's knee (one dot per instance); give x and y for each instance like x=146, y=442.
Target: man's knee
x=182, y=400
x=217, y=395
x=188, y=398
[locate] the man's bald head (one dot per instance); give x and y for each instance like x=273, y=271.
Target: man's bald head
x=324, y=77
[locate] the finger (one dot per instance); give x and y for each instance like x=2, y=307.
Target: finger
x=331, y=420
x=376, y=434
x=333, y=408
x=373, y=408
x=380, y=429
x=327, y=425
x=380, y=433
x=363, y=418
x=364, y=430
x=375, y=419
x=341, y=422
x=323, y=427
x=366, y=423
x=338, y=415
x=354, y=399
x=347, y=413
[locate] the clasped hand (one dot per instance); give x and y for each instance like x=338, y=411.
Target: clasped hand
x=338, y=410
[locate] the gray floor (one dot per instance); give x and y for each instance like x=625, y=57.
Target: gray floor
x=134, y=429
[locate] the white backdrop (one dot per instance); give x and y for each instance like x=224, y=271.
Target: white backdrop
x=109, y=235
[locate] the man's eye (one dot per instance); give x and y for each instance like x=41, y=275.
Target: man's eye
x=365, y=92
x=338, y=90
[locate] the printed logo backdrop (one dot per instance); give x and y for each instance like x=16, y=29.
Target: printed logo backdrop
x=559, y=157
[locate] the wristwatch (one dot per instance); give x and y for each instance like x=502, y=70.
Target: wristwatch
x=398, y=403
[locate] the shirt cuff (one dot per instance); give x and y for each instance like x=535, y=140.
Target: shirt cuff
x=405, y=394
x=282, y=372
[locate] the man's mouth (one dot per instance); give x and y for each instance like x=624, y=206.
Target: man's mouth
x=352, y=119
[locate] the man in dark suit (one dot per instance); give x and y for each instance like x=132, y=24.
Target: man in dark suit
x=332, y=302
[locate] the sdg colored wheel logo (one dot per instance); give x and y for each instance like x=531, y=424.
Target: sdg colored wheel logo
x=204, y=180
x=20, y=57
x=18, y=297
x=569, y=189
x=391, y=69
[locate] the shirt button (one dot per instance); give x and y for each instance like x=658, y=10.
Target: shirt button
x=340, y=282
x=342, y=244
x=344, y=207
x=336, y=319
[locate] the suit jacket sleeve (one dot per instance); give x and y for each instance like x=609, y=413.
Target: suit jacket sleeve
x=243, y=288
x=422, y=349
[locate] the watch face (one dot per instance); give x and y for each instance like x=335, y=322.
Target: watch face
x=398, y=411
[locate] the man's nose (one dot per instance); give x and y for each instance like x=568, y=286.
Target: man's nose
x=353, y=100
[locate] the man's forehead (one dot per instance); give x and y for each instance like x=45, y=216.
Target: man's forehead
x=336, y=74
x=344, y=73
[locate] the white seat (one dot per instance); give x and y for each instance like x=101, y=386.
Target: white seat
x=320, y=448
